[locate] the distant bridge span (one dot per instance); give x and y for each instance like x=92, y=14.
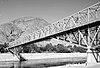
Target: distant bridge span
x=81, y=28
x=83, y=18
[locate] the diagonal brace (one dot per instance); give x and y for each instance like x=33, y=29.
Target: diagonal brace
x=95, y=36
x=83, y=38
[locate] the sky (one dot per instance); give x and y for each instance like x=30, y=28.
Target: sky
x=49, y=10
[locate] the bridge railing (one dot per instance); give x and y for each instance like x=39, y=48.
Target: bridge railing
x=83, y=17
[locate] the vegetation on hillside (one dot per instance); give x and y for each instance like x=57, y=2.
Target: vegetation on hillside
x=19, y=27
x=49, y=48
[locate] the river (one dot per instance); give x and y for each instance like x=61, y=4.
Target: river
x=28, y=64
x=39, y=63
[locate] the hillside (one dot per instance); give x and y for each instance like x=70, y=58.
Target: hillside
x=16, y=28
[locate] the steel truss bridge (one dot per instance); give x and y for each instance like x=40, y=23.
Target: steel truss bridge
x=81, y=28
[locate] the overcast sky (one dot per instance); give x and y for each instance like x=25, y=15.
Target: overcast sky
x=50, y=10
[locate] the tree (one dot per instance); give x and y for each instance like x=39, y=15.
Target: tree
x=79, y=49
x=2, y=48
x=62, y=49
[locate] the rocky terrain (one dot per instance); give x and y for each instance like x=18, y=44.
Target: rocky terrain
x=21, y=26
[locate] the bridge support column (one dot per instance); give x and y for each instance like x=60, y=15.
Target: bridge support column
x=15, y=58
x=17, y=55
x=92, y=57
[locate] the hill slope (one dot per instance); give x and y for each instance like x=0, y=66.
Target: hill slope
x=16, y=28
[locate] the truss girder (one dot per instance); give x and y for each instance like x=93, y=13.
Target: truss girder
x=88, y=37
x=81, y=18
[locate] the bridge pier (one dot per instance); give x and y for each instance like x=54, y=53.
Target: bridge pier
x=17, y=55
x=92, y=57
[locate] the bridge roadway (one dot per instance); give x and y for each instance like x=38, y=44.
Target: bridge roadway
x=84, y=17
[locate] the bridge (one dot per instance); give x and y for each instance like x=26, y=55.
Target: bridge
x=81, y=28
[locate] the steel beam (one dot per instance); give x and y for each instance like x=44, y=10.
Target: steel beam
x=81, y=18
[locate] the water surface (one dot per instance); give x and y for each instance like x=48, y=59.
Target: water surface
x=41, y=63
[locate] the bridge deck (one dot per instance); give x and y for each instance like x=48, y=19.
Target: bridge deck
x=84, y=17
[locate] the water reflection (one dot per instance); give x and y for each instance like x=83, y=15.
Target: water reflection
x=38, y=63
x=29, y=64
x=25, y=64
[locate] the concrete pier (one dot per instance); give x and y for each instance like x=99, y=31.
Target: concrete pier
x=92, y=57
